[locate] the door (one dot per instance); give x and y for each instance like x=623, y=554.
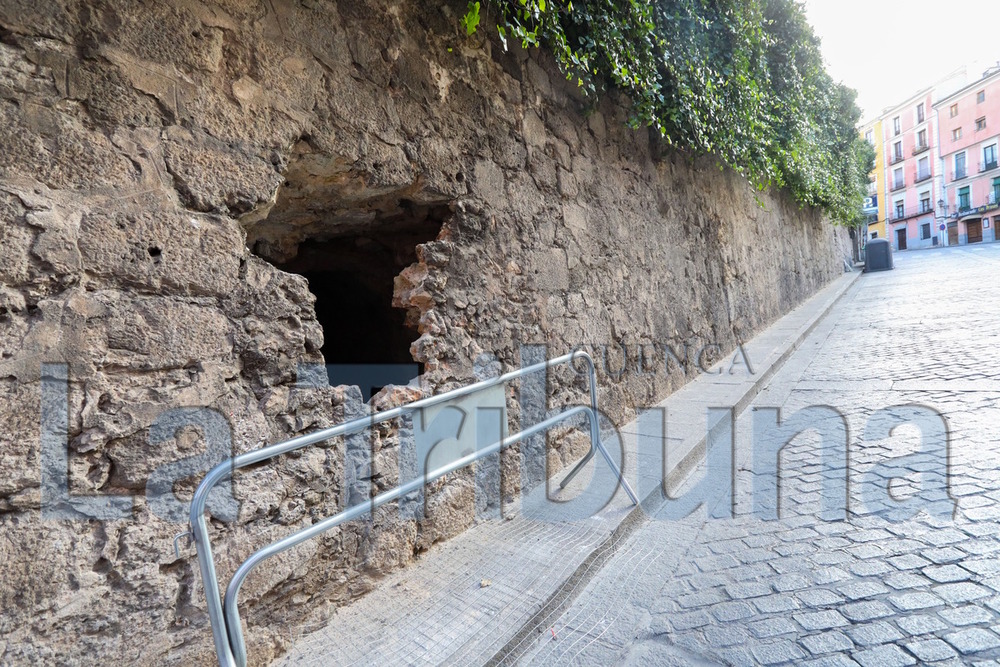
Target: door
x=901, y=238
x=975, y=228
x=952, y=233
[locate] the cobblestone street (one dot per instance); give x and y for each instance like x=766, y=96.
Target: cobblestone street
x=400, y=333
x=870, y=590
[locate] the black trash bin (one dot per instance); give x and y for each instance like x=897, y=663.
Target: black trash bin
x=878, y=255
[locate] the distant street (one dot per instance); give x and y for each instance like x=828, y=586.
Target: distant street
x=806, y=591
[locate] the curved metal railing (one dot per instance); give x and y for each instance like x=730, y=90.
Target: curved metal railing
x=230, y=646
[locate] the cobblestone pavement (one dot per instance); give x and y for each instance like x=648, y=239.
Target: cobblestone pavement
x=876, y=589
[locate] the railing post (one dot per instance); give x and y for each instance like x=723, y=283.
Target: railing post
x=210, y=581
x=224, y=613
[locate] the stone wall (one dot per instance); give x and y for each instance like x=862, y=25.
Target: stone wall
x=159, y=160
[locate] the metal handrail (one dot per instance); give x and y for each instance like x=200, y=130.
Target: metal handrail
x=227, y=630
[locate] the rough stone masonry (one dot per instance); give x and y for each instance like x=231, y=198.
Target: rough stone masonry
x=170, y=175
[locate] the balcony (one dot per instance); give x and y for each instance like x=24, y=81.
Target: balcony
x=899, y=215
x=920, y=177
x=920, y=148
x=897, y=157
x=898, y=185
x=958, y=174
x=987, y=166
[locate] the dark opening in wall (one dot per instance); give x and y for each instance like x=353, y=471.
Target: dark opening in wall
x=351, y=268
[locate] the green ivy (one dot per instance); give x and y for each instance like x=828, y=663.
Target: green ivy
x=741, y=79
x=471, y=18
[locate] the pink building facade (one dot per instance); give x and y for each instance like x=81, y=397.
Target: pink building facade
x=969, y=126
x=910, y=136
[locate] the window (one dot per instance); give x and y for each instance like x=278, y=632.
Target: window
x=897, y=151
x=989, y=157
x=953, y=111
x=895, y=125
x=897, y=179
x=924, y=168
x=874, y=235
x=870, y=137
x=920, y=112
x=925, y=202
x=963, y=198
x=981, y=123
x=996, y=190
x=925, y=230
x=959, y=165
x=980, y=97
x=922, y=139
x=899, y=209
x=956, y=134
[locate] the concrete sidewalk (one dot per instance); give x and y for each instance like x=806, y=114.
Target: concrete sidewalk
x=901, y=569
x=484, y=596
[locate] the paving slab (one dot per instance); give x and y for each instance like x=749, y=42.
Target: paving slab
x=483, y=596
x=897, y=587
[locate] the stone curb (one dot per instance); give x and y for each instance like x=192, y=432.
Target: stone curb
x=743, y=395
x=818, y=306
x=533, y=572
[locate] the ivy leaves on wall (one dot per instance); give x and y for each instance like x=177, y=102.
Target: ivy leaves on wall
x=741, y=79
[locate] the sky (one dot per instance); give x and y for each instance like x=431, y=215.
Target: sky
x=887, y=49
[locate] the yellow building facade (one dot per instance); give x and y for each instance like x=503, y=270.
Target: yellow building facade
x=875, y=205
